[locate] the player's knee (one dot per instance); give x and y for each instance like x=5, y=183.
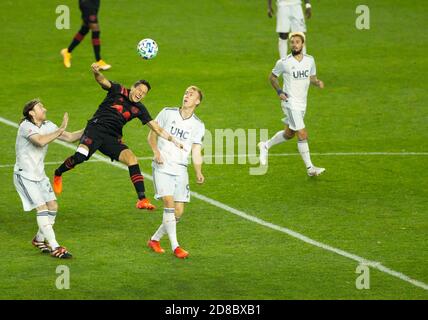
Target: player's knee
x=302, y=134
x=283, y=36
x=168, y=202
x=289, y=134
x=43, y=207
x=94, y=27
x=178, y=211
x=128, y=157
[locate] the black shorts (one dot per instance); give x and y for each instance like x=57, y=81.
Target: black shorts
x=89, y=10
x=96, y=137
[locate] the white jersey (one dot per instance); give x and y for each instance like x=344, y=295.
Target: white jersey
x=187, y=131
x=288, y=2
x=296, y=79
x=29, y=157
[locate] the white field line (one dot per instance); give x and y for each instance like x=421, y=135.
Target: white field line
x=314, y=154
x=242, y=214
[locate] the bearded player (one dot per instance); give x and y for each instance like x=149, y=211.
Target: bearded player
x=298, y=71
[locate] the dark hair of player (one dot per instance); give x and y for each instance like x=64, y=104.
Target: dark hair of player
x=27, y=108
x=145, y=82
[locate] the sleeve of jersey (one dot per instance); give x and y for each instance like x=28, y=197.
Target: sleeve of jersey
x=27, y=129
x=313, y=69
x=278, y=69
x=144, y=115
x=199, y=136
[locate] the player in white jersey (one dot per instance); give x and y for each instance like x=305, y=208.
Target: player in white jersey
x=170, y=175
x=289, y=18
x=298, y=71
x=31, y=182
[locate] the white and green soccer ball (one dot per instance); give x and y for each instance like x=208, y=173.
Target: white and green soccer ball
x=147, y=48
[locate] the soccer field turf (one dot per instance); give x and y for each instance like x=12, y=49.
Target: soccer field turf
x=367, y=127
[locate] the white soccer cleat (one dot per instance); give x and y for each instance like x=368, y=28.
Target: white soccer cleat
x=315, y=171
x=263, y=153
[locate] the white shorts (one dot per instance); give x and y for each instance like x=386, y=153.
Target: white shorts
x=171, y=185
x=293, y=117
x=33, y=194
x=290, y=18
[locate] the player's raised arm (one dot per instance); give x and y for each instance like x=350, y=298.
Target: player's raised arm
x=275, y=84
x=316, y=82
x=71, y=136
x=43, y=139
x=163, y=134
x=99, y=77
x=197, y=160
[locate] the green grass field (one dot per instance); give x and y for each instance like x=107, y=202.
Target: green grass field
x=373, y=206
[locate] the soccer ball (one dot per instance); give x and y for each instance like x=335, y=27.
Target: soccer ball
x=147, y=48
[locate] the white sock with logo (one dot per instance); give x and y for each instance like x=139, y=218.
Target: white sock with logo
x=283, y=48
x=170, y=226
x=304, y=152
x=46, y=227
x=276, y=139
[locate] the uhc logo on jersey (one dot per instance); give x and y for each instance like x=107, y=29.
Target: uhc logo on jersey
x=179, y=133
x=301, y=74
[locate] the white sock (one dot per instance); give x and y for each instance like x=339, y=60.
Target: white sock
x=52, y=216
x=276, y=139
x=159, y=233
x=304, y=152
x=283, y=48
x=46, y=228
x=170, y=226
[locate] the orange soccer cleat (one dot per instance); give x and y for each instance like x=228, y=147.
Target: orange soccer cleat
x=181, y=253
x=145, y=204
x=155, y=246
x=57, y=184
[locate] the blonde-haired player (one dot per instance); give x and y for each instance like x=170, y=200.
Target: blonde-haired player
x=170, y=175
x=289, y=18
x=298, y=71
x=31, y=182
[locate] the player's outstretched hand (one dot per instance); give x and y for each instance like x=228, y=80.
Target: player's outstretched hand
x=320, y=84
x=95, y=68
x=158, y=158
x=200, y=178
x=64, y=123
x=270, y=12
x=283, y=96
